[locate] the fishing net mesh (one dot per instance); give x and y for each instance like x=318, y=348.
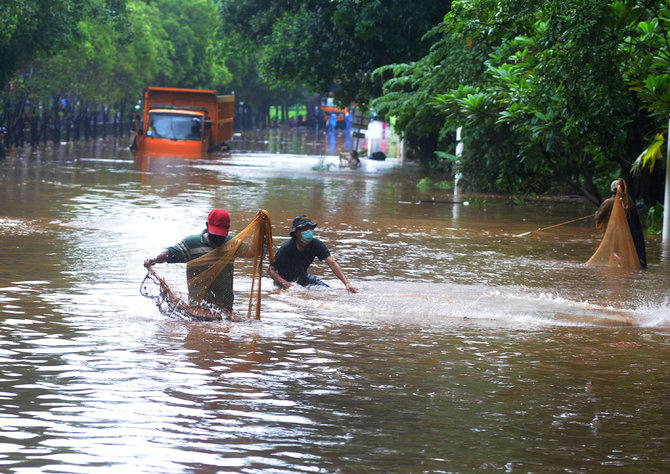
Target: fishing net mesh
x=617, y=248
x=208, y=299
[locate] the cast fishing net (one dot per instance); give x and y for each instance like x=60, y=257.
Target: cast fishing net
x=210, y=277
x=617, y=248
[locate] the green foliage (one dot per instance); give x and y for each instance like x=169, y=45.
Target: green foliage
x=426, y=184
x=75, y=59
x=647, y=52
x=33, y=28
x=445, y=185
x=320, y=42
x=553, y=95
x=106, y=51
x=456, y=57
x=560, y=98
x=443, y=163
x=655, y=219
x=652, y=154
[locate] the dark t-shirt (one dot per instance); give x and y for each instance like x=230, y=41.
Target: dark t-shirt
x=291, y=263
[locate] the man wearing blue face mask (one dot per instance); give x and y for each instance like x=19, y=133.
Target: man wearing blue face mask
x=296, y=255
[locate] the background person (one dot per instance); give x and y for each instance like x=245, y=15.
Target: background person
x=348, y=121
x=3, y=132
x=332, y=122
x=296, y=255
x=632, y=217
x=351, y=161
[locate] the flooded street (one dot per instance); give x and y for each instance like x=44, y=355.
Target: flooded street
x=466, y=348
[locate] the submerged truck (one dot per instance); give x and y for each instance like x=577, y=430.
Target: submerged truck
x=184, y=121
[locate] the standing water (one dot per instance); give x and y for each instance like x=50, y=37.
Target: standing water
x=466, y=348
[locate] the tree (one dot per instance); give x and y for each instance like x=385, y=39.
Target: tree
x=163, y=42
x=556, y=94
x=320, y=42
x=30, y=28
x=462, y=44
x=111, y=59
x=648, y=69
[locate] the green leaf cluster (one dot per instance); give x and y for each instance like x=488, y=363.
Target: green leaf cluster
x=557, y=95
x=106, y=51
x=325, y=43
x=32, y=28
x=655, y=219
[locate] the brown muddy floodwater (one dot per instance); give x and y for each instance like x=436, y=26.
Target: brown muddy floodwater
x=466, y=348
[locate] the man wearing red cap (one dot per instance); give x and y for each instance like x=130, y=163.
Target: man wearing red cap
x=215, y=234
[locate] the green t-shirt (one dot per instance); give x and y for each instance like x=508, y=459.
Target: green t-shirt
x=194, y=246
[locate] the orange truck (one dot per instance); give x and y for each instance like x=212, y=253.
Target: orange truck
x=329, y=107
x=184, y=122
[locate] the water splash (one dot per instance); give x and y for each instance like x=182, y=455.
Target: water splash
x=435, y=304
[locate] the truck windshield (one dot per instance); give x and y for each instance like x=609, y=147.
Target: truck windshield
x=176, y=126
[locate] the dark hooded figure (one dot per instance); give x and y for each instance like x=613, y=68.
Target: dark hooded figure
x=603, y=215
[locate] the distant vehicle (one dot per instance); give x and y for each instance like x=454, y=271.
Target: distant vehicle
x=329, y=108
x=184, y=121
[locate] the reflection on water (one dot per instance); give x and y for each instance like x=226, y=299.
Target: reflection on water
x=467, y=348
x=310, y=141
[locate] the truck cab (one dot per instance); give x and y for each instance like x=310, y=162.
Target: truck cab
x=180, y=122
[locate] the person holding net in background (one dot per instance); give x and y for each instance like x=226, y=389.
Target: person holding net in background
x=216, y=233
x=296, y=255
x=602, y=218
